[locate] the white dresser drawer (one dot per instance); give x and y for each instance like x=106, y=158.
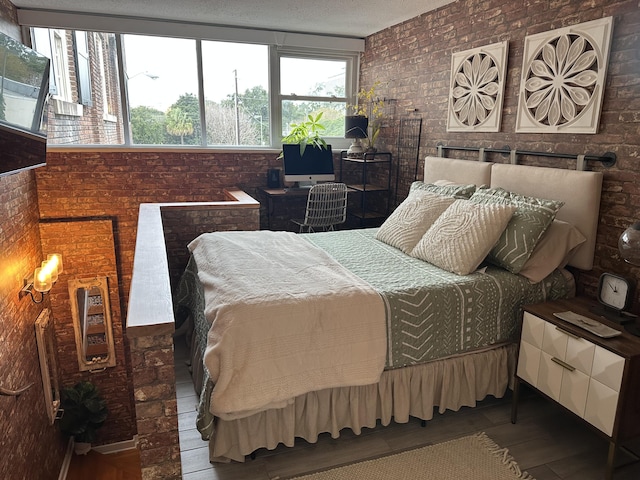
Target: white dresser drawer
x=598, y=379
x=608, y=368
x=529, y=362
x=602, y=404
x=583, y=377
x=533, y=329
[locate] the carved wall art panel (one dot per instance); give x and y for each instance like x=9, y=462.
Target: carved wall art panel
x=477, y=89
x=563, y=79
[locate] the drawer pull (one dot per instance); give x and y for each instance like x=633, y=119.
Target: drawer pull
x=563, y=364
x=572, y=335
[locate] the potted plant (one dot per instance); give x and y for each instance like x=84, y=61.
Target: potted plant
x=372, y=107
x=84, y=412
x=306, y=133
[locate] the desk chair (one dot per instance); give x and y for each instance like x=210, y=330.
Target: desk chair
x=326, y=207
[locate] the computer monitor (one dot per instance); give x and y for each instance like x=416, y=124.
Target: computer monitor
x=315, y=165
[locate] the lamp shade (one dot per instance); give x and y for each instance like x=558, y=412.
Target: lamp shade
x=355, y=126
x=629, y=244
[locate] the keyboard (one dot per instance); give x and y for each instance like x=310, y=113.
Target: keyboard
x=588, y=324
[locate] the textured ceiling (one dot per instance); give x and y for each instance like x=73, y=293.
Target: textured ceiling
x=353, y=18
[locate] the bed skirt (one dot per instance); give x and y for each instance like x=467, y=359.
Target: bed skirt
x=414, y=391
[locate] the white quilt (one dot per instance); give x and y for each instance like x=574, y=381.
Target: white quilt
x=286, y=319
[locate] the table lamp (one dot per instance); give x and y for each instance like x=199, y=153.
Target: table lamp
x=629, y=244
x=355, y=127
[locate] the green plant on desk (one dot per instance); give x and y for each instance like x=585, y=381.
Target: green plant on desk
x=306, y=133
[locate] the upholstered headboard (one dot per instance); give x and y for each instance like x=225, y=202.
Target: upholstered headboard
x=579, y=190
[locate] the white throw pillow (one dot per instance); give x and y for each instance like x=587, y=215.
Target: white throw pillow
x=460, y=239
x=412, y=218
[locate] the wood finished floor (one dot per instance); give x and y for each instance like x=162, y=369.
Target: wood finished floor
x=96, y=466
x=546, y=441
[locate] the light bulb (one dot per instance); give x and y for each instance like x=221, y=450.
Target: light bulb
x=42, y=280
x=57, y=258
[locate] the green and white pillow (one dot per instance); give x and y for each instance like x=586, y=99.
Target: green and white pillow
x=453, y=190
x=412, y=218
x=527, y=225
x=460, y=239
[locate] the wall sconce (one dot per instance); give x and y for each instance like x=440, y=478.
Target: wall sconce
x=43, y=277
x=629, y=244
x=355, y=127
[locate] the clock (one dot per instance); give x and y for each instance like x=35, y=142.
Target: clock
x=614, y=292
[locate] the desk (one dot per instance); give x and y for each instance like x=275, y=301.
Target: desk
x=282, y=194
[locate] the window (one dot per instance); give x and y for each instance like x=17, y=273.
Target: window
x=53, y=44
x=107, y=80
x=83, y=67
x=309, y=85
x=162, y=87
x=60, y=63
x=236, y=92
x=185, y=91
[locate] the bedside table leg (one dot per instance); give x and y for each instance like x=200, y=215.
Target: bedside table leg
x=514, y=402
x=610, y=459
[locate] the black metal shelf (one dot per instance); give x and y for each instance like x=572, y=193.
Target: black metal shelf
x=363, y=187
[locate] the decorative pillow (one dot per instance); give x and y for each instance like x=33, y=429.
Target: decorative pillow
x=554, y=250
x=462, y=236
x=529, y=222
x=410, y=220
x=453, y=190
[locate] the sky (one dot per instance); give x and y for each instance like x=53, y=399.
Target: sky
x=173, y=62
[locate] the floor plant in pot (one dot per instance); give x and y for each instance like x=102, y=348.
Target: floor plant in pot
x=84, y=412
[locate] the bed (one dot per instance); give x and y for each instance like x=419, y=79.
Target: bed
x=411, y=325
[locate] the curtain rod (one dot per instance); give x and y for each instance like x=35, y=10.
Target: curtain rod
x=608, y=159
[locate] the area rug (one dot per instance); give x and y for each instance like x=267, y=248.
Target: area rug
x=475, y=457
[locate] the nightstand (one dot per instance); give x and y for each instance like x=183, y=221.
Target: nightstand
x=596, y=379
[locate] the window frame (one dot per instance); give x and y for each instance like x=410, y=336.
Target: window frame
x=277, y=98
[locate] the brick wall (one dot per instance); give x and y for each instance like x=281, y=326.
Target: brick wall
x=88, y=250
x=79, y=184
x=29, y=446
x=156, y=406
x=413, y=62
x=415, y=58
x=83, y=185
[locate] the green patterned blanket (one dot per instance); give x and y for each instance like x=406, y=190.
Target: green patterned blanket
x=432, y=313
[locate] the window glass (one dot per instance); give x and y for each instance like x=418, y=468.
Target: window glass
x=83, y=67
x=306, y=76
x=85, y=105
x=251, y=93
x=236, y=79
x=296, y=111
x=60, y=63
x=311, y=85
x=162, y=84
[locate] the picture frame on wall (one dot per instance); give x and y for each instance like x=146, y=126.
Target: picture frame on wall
x=477, y=89
x=563, y=78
